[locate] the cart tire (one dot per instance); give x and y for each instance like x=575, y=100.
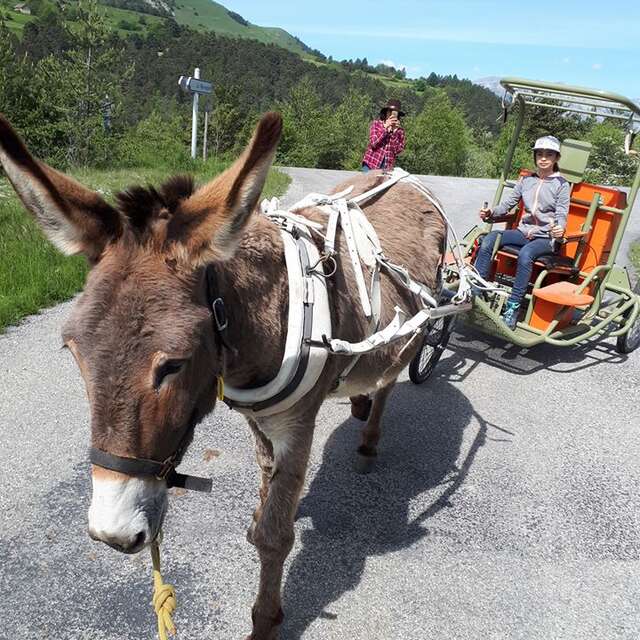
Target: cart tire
x=630, y=341
x=434, y=342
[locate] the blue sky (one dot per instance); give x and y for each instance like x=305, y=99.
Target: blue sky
x=595, y=44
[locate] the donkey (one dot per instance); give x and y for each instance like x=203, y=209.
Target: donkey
x=142, y=334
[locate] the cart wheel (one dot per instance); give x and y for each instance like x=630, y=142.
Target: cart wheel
x=434, y=342
x=630, y=341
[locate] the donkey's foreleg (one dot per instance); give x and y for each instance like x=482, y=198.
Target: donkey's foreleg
x=264, y=458
x=273, y=533
x=368, y=449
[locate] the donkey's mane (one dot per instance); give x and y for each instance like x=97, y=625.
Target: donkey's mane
x=141, y=205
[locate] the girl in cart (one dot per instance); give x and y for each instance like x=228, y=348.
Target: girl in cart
x=545, y=195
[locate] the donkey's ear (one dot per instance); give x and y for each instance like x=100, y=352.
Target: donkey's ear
x=74, y=218
x=210, y=223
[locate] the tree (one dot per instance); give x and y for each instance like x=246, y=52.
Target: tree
x=306, y=129
x=608, y=163
x=348, y=132
x=76, y=84
x=437, y=139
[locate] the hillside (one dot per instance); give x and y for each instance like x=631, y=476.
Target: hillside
x=206, y=15
x=137, y=15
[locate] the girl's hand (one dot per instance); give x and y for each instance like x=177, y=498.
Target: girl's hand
x=391, y=123
x=485, y=213
x=556, y=231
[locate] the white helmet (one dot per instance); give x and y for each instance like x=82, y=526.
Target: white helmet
x=547, y=142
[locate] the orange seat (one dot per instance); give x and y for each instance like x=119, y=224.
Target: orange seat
x=563, y=293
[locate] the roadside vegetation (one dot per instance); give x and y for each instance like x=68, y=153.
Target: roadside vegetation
x=634, y=255
x=33, y=274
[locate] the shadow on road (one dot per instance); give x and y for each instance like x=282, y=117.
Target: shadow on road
x=346, y=517
x=469, y=347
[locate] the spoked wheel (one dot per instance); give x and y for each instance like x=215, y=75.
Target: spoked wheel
x=434, y=342
x=630, y=341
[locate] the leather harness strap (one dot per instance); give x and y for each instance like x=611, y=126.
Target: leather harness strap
x=152, y=468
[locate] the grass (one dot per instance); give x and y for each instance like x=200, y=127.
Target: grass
x=33, y=274
x=205, y=15
x=634, y=255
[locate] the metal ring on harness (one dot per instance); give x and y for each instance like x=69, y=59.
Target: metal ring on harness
x=324, y=257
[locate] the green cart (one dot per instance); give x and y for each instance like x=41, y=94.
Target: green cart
x=578, y=292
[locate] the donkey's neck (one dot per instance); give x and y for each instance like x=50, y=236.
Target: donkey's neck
x=254, y=287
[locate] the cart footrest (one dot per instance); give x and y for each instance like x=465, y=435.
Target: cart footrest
x=563, y=293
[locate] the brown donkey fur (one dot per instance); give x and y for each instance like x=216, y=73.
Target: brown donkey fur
x=142, y=332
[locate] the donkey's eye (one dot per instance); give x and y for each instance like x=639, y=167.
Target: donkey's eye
x=167, y=368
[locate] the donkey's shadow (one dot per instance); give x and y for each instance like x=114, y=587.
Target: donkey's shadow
x=351, y=517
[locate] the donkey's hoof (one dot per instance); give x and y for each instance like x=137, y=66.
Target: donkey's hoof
x=265, y=627
x=364, y=463
x=361, y=407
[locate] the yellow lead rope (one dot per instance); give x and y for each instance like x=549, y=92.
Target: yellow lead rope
x=164, y=595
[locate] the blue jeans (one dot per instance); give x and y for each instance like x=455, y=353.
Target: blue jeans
x=531, y=250
x=365, y=168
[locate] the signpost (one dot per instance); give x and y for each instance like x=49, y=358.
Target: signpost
x=197, y=87
x=207, y=111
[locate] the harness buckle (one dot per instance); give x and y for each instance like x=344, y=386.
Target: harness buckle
x=219, y=314
x=167, y=467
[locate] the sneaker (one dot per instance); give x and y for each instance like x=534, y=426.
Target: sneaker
x=510, y=314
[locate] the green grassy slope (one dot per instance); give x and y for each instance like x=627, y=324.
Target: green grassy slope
x=211, y=16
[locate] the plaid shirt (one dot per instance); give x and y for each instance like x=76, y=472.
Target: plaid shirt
x=383, y=146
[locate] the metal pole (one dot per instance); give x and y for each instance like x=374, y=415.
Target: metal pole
x=204, y=140
x=194, y=121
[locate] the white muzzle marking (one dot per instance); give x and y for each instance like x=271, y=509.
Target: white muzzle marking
x=126, y=512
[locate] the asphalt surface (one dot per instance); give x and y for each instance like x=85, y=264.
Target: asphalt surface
x=505, y=503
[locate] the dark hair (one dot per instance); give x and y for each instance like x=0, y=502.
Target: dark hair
x=556, y=168
x=385, y=111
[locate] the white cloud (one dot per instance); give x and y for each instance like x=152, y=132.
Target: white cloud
x=566, y=60
x=597, y=66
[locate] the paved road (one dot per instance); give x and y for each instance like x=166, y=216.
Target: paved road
x=506, y=503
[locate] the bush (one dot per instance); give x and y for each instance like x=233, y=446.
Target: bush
x=125, y=25
x=156, y=141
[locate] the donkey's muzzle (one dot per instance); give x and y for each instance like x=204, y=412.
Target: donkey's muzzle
x=128, y=545
x=126, y=512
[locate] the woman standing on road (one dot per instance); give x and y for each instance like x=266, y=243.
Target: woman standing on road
x=386, y=138
x=545, y=195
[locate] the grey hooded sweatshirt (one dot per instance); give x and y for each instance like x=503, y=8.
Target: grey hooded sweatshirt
x=546, y=203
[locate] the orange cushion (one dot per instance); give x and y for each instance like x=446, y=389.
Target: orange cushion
x=563, y=293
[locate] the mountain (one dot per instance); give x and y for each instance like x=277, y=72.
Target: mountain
x=205, y=15
x=492, y=83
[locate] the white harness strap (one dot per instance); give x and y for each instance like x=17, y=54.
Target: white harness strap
x=308, y=340
x=309, y=320
x=347, y=229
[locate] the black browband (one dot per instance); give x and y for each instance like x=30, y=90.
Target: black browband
x=167, y=470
